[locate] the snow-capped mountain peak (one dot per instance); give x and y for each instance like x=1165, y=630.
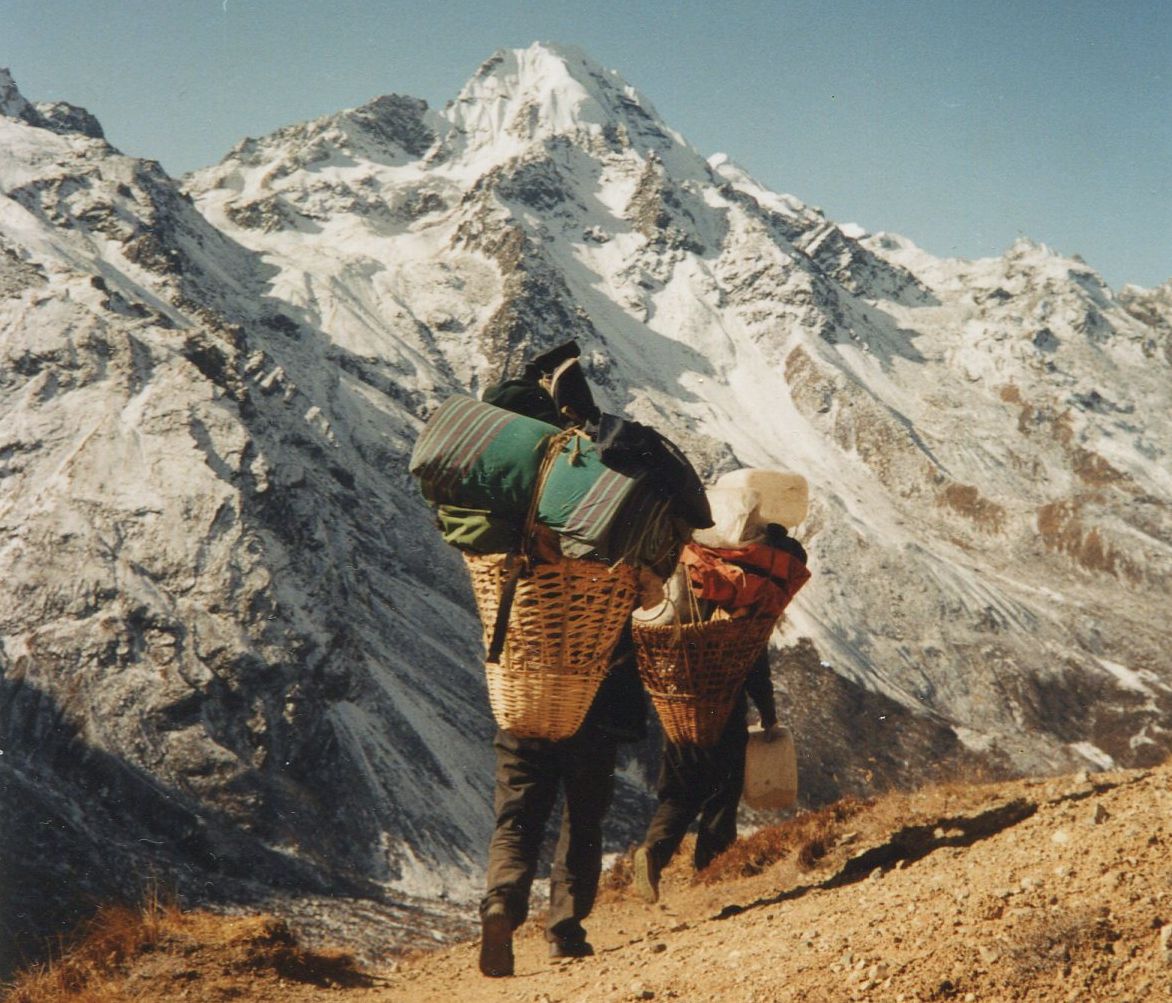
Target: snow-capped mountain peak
x=744, y=182
x=388, y=130
x=521, y=95
x=56, y=116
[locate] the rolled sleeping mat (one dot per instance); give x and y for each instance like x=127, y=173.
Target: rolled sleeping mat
x=476, y=456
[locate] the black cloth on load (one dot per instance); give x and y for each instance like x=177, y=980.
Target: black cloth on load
x=551, y=388
x=572, y=393
x=547, y=362
x=634, y=449
x=523, y=396
x=776, y=535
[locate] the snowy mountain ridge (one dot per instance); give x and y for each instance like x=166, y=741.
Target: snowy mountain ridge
x=541, y=92
x=228, y=603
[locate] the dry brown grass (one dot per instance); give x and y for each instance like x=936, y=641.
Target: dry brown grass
x=808, y=837
x=1061, y=528
x=1095, y=470
x=139, y=955
x=620, y=874
x=1010, y=394
x=99, y=949
x=811, y=835
x=966, y=500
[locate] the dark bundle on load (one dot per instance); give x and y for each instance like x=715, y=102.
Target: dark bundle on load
x=552, y=388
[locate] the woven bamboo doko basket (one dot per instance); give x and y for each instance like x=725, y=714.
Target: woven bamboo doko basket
x=694, y=671
x=565, y=620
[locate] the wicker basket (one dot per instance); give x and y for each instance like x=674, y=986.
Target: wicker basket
x=694, y=671
x=565, y=620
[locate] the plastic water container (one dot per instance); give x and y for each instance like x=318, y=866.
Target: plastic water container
x=783, y=497
x=771, y=771
x=744, y=502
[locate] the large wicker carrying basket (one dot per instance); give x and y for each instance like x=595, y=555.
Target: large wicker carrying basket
x=565, y=620
x=694, y=671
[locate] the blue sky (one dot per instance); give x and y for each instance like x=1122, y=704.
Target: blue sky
x=960, y=124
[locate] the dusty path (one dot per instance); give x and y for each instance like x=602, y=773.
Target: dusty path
x=1056, y=890
x=1049, y=890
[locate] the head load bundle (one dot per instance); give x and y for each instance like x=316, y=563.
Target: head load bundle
x=558, y=508
x=720, y=606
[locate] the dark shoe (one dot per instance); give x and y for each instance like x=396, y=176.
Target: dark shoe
x=496, y=942
x=570, y=949
x=646, y=876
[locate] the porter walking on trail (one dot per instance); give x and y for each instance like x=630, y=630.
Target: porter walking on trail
x=565, y=515
x=530, y=771
x=704, y=783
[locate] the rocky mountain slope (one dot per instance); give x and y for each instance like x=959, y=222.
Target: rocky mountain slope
x=212, y=662
x=234, y=651
x=985, y=439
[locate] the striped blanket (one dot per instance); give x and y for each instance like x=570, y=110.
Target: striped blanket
x=478, y=465
x=477, y=456
x=601, y=513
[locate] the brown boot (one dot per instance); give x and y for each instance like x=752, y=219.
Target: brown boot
x=646, y=876
x=496, y=941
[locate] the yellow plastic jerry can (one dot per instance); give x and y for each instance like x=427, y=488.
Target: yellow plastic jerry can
x=771, y=771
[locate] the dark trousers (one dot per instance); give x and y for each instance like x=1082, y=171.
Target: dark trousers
x=704, y=782
x=529, y=772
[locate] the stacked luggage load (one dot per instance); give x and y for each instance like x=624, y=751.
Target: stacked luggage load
x=721, y=605
x=554, y=539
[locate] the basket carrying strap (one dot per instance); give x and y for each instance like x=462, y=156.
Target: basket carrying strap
x=518, y=563
x=508, y=590
x=695, y=616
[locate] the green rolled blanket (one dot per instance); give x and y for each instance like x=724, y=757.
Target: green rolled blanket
x=475, y=456
x=479, y=465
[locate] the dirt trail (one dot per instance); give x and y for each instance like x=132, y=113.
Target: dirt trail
x=1054, y=889
x=1048, y=890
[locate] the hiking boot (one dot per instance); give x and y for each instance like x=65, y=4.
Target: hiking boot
x=570, y=949
x=646, y=876
x=496, y=942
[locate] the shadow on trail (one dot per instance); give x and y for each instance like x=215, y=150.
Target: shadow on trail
x=915, y=842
